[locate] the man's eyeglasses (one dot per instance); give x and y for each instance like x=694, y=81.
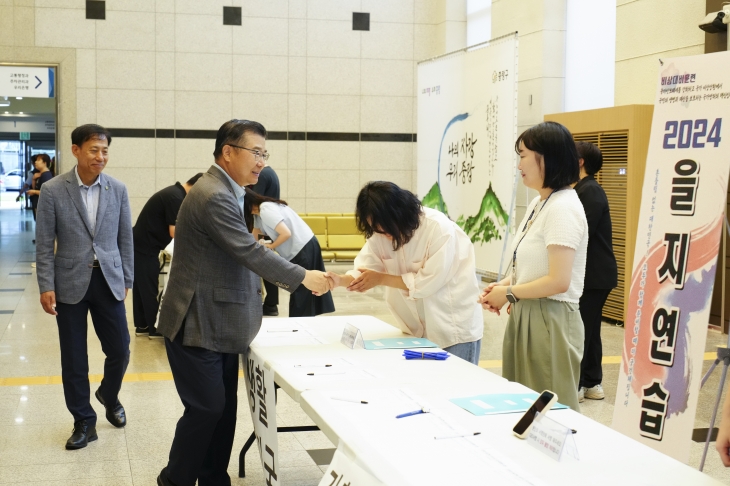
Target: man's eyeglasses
x=256, y=153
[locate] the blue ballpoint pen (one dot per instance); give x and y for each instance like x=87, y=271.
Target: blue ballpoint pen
x=415, y=412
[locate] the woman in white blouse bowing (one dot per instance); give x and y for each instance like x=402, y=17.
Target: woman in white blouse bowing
x=543, y=341
x=293, y=240
x=427, y=264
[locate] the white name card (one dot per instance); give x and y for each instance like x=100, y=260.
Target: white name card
x=551, y=438
x=352, y=337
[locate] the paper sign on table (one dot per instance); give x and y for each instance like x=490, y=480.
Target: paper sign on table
x=276, y=337
x=552, y=438
x=329, y=375
x=399, y=343
x=493, y=404
x=343, y=471
x=352, y=337
x=313, y=363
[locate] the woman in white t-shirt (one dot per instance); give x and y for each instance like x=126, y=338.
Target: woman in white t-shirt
x=425, y=261
x=293, y=240
x=543, y=341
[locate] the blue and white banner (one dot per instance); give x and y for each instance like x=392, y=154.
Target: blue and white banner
x=680, y=223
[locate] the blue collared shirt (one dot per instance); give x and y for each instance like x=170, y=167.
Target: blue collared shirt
x=238, y=191
x=90, y=197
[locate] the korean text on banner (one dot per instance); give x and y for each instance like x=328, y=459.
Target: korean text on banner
x=262, y=400
x=677, y=243
x=467, y=126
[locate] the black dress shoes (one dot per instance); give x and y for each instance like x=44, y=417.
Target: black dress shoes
x=270, y=310
x=163, y=480
x=114, y=414
x=82, y=435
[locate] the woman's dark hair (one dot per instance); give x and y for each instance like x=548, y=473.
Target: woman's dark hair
x=254, y=200
x=231, y=132
x=591, y=155
x=556, y=146
x=194, y=179
x=45, y=158
x=383, y=207
x=87, y=132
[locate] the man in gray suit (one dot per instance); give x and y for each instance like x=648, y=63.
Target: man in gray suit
x=86, y=213
x=212, y=307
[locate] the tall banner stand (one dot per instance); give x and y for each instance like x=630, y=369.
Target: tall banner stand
x=467, y=125
x=681, y=218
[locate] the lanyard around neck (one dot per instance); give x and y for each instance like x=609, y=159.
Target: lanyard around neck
x=526, y=227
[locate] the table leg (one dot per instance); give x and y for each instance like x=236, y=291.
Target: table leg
x=250, y=441
x=242, y=455
x=252, y=438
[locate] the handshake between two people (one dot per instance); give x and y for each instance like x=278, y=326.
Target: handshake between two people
x=322, y=282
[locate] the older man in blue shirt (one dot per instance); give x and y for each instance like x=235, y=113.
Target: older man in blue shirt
x=85, y=216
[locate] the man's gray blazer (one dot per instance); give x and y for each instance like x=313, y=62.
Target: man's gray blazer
x=62, y=218
x=214, y=289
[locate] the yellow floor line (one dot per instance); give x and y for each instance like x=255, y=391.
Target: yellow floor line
x=56, y=380
x=167, y=376
x=496, y=363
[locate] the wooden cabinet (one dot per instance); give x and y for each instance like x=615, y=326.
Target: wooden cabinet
x=622, y=134
x=717, y=291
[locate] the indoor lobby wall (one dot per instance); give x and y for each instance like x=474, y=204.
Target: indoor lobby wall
x=296, y=65
x=541, y=68
x=649, y=30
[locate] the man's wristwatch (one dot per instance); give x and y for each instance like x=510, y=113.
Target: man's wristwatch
x=511, y=297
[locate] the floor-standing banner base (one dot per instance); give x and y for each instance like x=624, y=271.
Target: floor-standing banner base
x=680, y=223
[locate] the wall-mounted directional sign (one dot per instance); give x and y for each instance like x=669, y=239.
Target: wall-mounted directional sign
x=31, y=82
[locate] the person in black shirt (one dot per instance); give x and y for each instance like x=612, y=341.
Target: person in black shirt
x=153, y=231
x=42, y=173
x=601, y=270
x=268, y=185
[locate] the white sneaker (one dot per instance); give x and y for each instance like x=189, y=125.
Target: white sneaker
x=595, y=393
x=581, y=394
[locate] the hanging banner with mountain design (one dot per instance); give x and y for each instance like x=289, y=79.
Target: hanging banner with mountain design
x=466, y=134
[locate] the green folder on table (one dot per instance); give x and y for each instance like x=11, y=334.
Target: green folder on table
x=399, y=343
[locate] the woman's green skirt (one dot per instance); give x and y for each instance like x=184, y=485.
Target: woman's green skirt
x=543, y=347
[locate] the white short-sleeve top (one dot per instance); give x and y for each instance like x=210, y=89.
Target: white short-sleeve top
x=270, y=215
x=561, y=221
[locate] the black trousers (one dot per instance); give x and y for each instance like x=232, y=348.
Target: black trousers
x=109, y=318
x=591, y=309
x=272, y=294
x=302, y=303
x=144, y=290
x=207, y=383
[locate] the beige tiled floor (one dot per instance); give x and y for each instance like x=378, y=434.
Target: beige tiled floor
x=34, y=423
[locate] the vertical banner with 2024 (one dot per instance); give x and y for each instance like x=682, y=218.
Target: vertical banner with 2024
x=467, y=126
x=677, y=244
x=262, y=400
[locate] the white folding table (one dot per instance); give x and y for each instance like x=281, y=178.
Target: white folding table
x=405, y=452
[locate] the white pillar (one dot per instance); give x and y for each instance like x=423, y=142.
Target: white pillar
x=590, y=54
